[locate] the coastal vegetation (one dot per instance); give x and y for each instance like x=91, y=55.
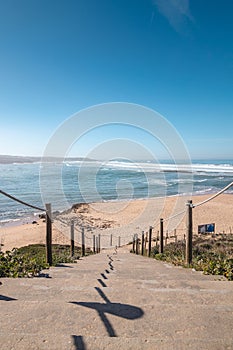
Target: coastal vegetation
x=30, y=260
x=211, y=254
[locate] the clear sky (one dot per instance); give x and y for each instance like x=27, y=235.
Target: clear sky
x=174, y=56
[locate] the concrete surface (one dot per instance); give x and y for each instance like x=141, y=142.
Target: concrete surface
x=117, y=300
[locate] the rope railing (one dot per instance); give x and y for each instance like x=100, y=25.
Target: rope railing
x=48, y=223
x=200, y=203
x=214, y=196
x=174, y=216
x=20, y=201
x=123, y=238
x=161, y=237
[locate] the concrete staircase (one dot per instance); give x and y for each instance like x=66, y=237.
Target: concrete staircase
x=117, y=300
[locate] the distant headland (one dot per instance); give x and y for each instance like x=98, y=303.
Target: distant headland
x=7, y=159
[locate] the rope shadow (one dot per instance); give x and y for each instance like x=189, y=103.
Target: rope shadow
x=101, y=282
x=103, y=275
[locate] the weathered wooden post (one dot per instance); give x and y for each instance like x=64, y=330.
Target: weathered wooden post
x=137, y=244
x=83, y=242
x=97, y=245
x=72, y=238
x=49, y=258
x=111, y=240
x=133, y=247
x=142, y=246
x=149, y=242
x=94, y=248
x=161, y=237
x=146, y=240
x=99, y=242
x=157, y=239
x=189, y=232
x=166, y=238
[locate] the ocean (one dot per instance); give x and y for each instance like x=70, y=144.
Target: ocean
x=92, y=181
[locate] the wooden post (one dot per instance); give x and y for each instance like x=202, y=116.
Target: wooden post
x=161, y=237
x=137, y=244
x=167, y=237
x=175, y=236
x=99, y=242
x=97, y=245
x=133, y=247
x=49, y=258
x=142, y=247
x=72, y=238
x=146, y=240
x=94, y=249
x=111, y=240
x=149, y=242
x=157, y=239
x=83, y=242
x=119, y=241
x=189, y=232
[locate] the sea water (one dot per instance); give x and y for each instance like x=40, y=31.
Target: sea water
x=71, y=182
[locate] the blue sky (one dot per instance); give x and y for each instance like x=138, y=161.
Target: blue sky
x=174, y=56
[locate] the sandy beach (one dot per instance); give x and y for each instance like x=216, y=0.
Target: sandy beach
x=123, y=219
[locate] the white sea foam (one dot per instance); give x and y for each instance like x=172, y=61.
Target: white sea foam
x=195, y=168
x=146, y=179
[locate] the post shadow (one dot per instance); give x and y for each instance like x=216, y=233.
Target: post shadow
x=78, y=342
x=63, y=265
x=126, y=311
x=44, y=275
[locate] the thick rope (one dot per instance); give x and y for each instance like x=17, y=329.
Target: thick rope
x=203, y=202
x=175, y=215
x=214, y=196
x=19, y=201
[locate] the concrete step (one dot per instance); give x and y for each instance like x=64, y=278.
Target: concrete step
x=112, y=300
x=56, y=341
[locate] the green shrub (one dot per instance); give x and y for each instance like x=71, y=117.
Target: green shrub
x=212, y=256
x=30, y=260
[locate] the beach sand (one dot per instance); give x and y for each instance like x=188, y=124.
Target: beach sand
x=123, y=219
